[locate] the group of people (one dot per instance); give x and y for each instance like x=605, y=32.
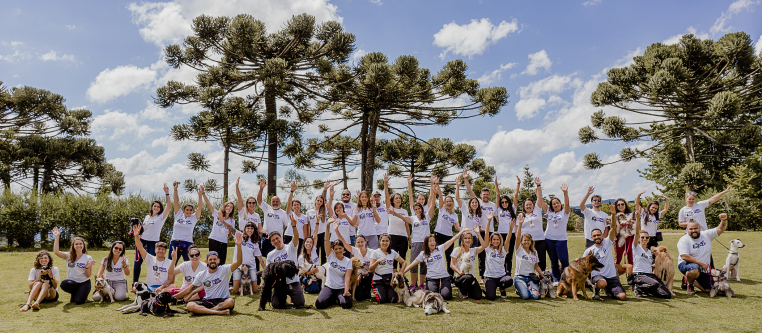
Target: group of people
x=380, y=236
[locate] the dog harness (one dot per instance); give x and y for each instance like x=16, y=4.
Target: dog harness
x=737, y=258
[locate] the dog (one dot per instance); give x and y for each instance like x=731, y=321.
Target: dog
x=320, y=275
x=546, y=285
x=416, y=299
x=433, y=303
x=274, y=277
x=133, y=222
x=157, y=306
x=354, y=280
x=46, y=276
x=104, y=289
x=623, y=228
x=664, y=267
x=401, y=287
x=575, y=275
x=141, y=293
x=721, y=285
x=247, y=286
x=731, y=263
x=465, y=264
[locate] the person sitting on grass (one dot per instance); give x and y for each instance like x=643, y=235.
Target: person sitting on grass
x=310, y=256
x=214, y=282
x=433, y=255
x=252, y=257
x=189, y=269
x=607, y=277
x=338, y=272
x=642, y=279
x=527, y=263
x=157, y=278
x=114, y=268
x=79, y=268
x=282, y=252
x=695, y=249
x=42, y=285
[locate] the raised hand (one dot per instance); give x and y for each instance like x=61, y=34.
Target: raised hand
x=174, y=253
x=293, y=221
x=386, y=177
x=56, y=232
x=166, y=189
x=410, y=178
x=641, y=192
x=201, y=190
x=477, y=229
x=175, y=185
x=220, y=216
x=564, y=188
x=465, y=173
x=293, y=186
x=664, y=196
x=357, y=194
x=457, y=181
x=89, y=264
x=136, y=230
x=727, y=189
x=590, y=190
x=326, y=184
x=518, y=180
x=723, y=216
x=490, y=215
x=537, y=181
x=495, y=181
x=612, y=209
x=238, y=238
x=237, y=181
x=435, y=179
x=125, y=262
x=262, y=183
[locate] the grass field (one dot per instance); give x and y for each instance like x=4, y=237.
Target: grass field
x=682, y=313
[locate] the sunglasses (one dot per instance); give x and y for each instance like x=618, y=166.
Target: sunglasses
x=119, y=248
x=345, y=194
x=194, y=255
x=596, y=200
x=620, y=204
x=645, y=237
x=251, y=203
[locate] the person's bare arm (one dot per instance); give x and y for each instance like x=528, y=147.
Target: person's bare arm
x=386, y=191
x=410, y=195
x=518, y=230
x=538, y=193
x=457, y=192
x=138, y=243
x=100, y=270
x=449, y=243
x=565, y=189
x=199, y=207
x=479, y=234
x=516, y=193
x=497, y=194
x=239, y=252
x=637, y=199
x=173, y=263
x=374, y=206
x=432, y=193
x=723, y=224
x=176, y=197
x=56, y=235
x=290, y=197
x=470, y=191
x=590, y=191
x=612, y=228
x=666, y=206
x=166, y=211
x=208, y=203
x=717, y=196
x=262, y=184
x=241, y=204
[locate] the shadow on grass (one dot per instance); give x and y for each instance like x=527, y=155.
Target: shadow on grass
x=745, y=282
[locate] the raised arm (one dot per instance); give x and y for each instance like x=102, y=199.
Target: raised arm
x=637, y=223
x=347, y=245
x=262, y=184
x=199, y=207
x=239, y=252
x=497, y=194
x=295, y=239
x=208, y=203
x=290, y=197
x=538, y=192
x=327, y=236
x=441, y=196
x=374, y=205
x=403, y=217
x=470, y=192
x=241, y=204
x=479, y=234
x=176, y=197
x=518, y=230
x=169, y=202
x=516, y=192
x=507, y=243
x=138, y=244
x=723, y=224
x=449, y=243
x=590, y=191
x=719, y=195
x=386, y=192
x=612, y=227
x=172, y=264
x=329, y=204
x=56, y=235
x=637, y=199
x=410, y=196
x=430, y=202
x=666, y=206
x=565, y=189
x=457, y=192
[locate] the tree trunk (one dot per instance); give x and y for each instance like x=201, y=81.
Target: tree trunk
x=344, y=171
x=412, y=172
x=272, y=143
x=363, y=149
x=689, y=140
x=36, y=179
x=225, y=163
x=369, y=151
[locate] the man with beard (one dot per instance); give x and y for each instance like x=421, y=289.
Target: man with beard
x=349, y=209
x=695, y=249
x=606, y=278
x=214, y=282
x=275, y=218
x=594, y=218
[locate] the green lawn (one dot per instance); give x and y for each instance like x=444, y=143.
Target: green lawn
x=683, y=313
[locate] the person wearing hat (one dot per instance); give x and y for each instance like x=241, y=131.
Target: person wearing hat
x=280, y=253
x=382, y=226
x=214, y=282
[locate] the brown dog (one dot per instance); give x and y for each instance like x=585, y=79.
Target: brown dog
x=354, y=279
x=574, y=276
x=664, y=267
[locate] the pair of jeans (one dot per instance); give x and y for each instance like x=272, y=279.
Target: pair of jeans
x=150, y=247
x=120, y=291
x=525, y=286
x=181, y=246
x=558, y=253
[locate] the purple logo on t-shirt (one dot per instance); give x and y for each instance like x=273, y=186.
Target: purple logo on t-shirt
x=699, y=244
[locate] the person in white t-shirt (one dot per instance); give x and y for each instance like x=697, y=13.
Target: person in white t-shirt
x=533, y=223
x=222, y=227
x=486, y=207
x=399, y=230
x=308, y=255
x=275, y=218
x=294, y=210
x=284, y=252
x=606, y=278
x=383, y=225
x=381, y=262
x=152, y=225
x=189, y=270
x=506, y=214
x=555, y=232
x=419, y=223
x=697, y=210
x=527, y=263
x=695, y=248
x=433, y=255
x=620, y=206
x=246, y=211
x=495, y=274
x=643, y=280
x=365, y=217
x=79, y=268
x=214, y=282
x=317, y=217
x=446, y=220
x=252, y=257
x=113, y=269
x=338, y=273
x=595, y=218
x=185, y=223
x=158, y=278
x=650, y=218
x=344, y=221
x=42, y=286
x=468, y=286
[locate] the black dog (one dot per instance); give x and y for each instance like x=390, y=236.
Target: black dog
x=141, y=293
x=274, y=277
x=158, y=306
x=133, y=222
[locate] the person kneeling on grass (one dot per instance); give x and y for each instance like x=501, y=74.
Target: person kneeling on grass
x=157, y=278
x=642, y=279
x=695, y=250
x=114, y=267
x=607, y=277
x=214, y=282
x=43, y=281
x=338, y=272
x=527, y=263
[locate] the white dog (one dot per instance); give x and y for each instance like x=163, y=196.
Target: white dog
x=141, y=293
x=731, y=263
x=434, y=303
x=320, y=275
x=103, y=290
x=465, y=263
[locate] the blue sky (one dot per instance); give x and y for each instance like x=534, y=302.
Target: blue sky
x=106, y=56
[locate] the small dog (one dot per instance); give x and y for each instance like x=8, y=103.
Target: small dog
x=401, y=287
x=274, y=277
x=546, y=285
x=623, y=228
x=664, y=267
x=721, y=284
x=320, y=275
x=416, y=299
x=433, y=303
x=157, y=306
x=354, y=279
x=465, y=263
x=141, y=293
x=247, y=286
x=575, y=275
x=46, y=276
x=104, y=289
x=731, y=263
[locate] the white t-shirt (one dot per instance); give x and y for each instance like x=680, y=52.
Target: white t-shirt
x=314, y=257
x=245, y=217
x=396, y=224
x=386, y=264
x=652, y=225
x=75, y=271
x=604, y=255
x=275, y=219
x=116, y=274
x=188, y=273
x=215, y=284
x=313, y=216
x=349, y=209
x=533, y=224
x=469, y=220
x=556, y=228
x=436, y=265
x=487, y=207
x=504, y=221
x=343, y=230
x=495, y=262
x=219, y=230
x=420, y=228
x=366, y=222
x=525, y=262
x=700, y=249
x=301, y=221
x=158, y=271
x=383, y=226
x=250, y=253
x=365, y=258
x=34, y=274
x=288, y=252
x=152, y=227
x=641, y=259
x=697, y=213
x=183, y=227
x=594, y=220
x=335, y=270
x=445, y=222
x=455, y=255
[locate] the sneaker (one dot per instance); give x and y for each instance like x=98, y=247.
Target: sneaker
x=503, y=294
x=461, y=294
x=684, y=285
x=637, y=293
x=413, y=289
x=555, y=284
x=422, y=287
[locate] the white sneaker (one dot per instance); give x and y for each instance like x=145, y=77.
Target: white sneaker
x=555, y=284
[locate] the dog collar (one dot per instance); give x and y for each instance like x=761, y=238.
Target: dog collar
x=731, y=252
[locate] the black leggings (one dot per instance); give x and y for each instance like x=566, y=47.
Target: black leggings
x=509, y=258
x=468, y=286
x=648, y=284
x=328, y=297
x=399, y=244
x=78, y=290
x=441, y=239
x=541, y=253
x=441, y=286
x=221, y=249
x=492, y=284
x=320, y=247
x=384, y=292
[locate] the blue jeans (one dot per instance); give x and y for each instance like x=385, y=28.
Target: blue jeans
x=181, y=246
x=150, y=247
x=309, y=286
x=525, y=286
x=685, y=267
x=352, y=240
x=558, y=252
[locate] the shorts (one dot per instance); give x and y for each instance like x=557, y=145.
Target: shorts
x=212, y=302
x=703, y=279
x=51, y=300
x=613, y=286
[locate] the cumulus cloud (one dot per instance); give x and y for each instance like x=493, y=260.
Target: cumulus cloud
x=52, y=56
x=117, y=124
x=536, y=61
x=532, y=102
x=734, y=8
x=378, y=2
x=17, y=54
x=591, y=2
x=758, y=45
x=495, y=75
x=70, y=26
x=473, y=38
x=691, y=30
x=358, y=55
x=120, y=81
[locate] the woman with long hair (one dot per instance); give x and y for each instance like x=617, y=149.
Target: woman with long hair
x=643, y=280
x=697, y=210
x=152, y=225
x=308, y=255
x=621, y=206
x=433, y=255
x=79, y=267
x=113, y=269
x=366, y=217
x=649, y=220
x=189, y=269
x=527, y=262
x=555, y=232
x=343, y=221
x=506, y=214
x=221, y=228
x=446, y=220
x=399, y=230
x=252, y=256
x=43, y=282
x=533, y=223
x=381, y=264
x=317, y=217
x=338, y=273
x=361, y=251
x=419, y=223
x=246, y=211
x=185, y=223
x=468, y=287
x=495, y=273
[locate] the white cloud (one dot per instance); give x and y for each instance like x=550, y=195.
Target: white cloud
x=591, y=2
x=734, y=8
x=120, y=81
x=531, y=101
x=52, y=56
x=70, y=26
x=170, y=22
x=758, y=45
x=691, y=30
x=116, y=124
x=378, y=2
x=565, y=163
x=536, y=61
x=358, y=55
x=472, y=38
x=495, y=75
x=17, y=54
